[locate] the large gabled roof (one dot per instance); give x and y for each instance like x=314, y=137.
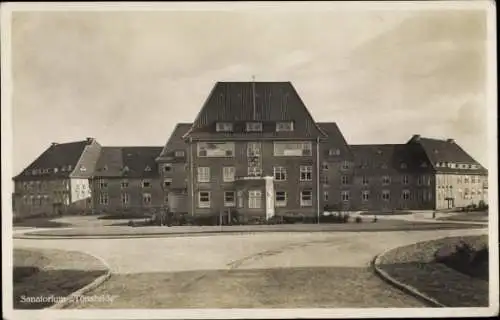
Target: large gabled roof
x=175, y=141
x=57, y=161
x=131, y=162
x=266, y=102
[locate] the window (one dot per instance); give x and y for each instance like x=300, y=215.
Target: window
x=229, y=199
x=228, y=174
x=82, y=168
x=466, y=179
x=180, y=153
x=56, y=170
x=215, y=149
x=167, y=167
x=403, y=165
x=365, y=195
x=240, y=199
x=305, y=173
x=281, y=199
x=125, y=169
x=386, y=180
x=224, y=127
x=254, y=171
x=406, y=195
x=386, y=195
x=365, y=180
x=324, y=179
x=292, y=149
x=203, y=199
x=254, y=199
x=146, y=183
x=473, y=179
x=344, y=180
x=452, y=165
x=466, y=193
x=253, y=149
x=324, y=166
x=167, y=183
x=284, y=126
x=146, y=199
x=424, y=165
x=459, y=179
x=165, y=199
x=306, y=198
x=279, y=173
x=203, y=174
x=103, y=184
x=103, y=198
x=334, y=152
x=147, y=169
x=325, y=195
x=345, y=165
x=254, y=126
x=344, y=195
x=124, y=184
x=405, y=180
x=125, y=198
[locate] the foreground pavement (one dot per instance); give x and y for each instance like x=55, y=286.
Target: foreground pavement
x=247, y=270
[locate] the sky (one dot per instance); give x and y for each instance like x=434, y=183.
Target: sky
x=126, y=78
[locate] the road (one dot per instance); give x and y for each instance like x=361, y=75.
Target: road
x=258, y=270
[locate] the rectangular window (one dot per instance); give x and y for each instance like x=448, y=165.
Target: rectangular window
x=241, y=199
x=466, y=179
x=254, y=149
x=254, y=126
x=203, y=174
x=459, y=179
x=345, y=165
x=405, y=180
x=281, y=199
x=306, y=198
x=386, y=195
x=125, y=198
x=406, y=195
x=365, y=195
x=292, y=149
x=124, y=184
x=204, y=199
x=180, y=153
x=254, y=171
x=165, y=199
x=324, y=166
x=325, y=195
x=345, y=180
x=103, y=184
x=146, y=199
x=167, y=183
x=334, y=152
x=324, y=179
x=344, y=195
x=284, y=126
x=103, y=198
x=365, y=180
x=228, y=174
x=279, y=173
x=146, y=183
x=167, y=167
x=386, y=180
x=216, y=149
x=420, y=180
x=224, y=127
x=254, y=199
x=305, y=173
x=229, y=199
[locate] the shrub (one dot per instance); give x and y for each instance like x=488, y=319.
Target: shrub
x=359, y=220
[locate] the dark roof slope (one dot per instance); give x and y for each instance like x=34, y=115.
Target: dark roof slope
x=175, y=142
x=390, y=158
x=58, y=161
x=128, y=162
x=267, y=102
x=335, y=139
x=447, y=151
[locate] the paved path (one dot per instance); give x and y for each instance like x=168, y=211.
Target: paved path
x=349, y=253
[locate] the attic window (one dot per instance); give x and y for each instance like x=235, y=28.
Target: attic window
x=224, y=127
x=474, y=166
x=254, y=126
x=403, y=165
x=284, y=126
x=82, y=168
x=147, y=168
x=333, y=152
x=179, y=153
x=452, y=165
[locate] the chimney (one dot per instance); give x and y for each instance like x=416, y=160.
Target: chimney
x=416, y=137
x=53, y=144
x=90, y=140
x=450, y=140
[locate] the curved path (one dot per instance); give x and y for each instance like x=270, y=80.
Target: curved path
x=253, y=270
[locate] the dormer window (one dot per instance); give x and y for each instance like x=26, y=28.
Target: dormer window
x=438, y=164
x=167, y=167
x=224, y=127
x=82, y=168
x=284, y=126
x=125, y=169
x=334, y=152
x=179, y=153
x=148, y=168
x=254, y=126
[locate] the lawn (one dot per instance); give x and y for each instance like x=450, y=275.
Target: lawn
x=381, y=225
x=40, y=222
x=414, y=265
x=477, y=216
x=45, y=273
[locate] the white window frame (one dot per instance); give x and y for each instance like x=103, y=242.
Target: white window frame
x=324, y=179
x=125, y=197
x=180, y=153
x=103, y=184
x=203, y=153
x=146, y=181
x=104, y=198
x=124, y=184
x=334, y=152
x=169, y=180
x=388, y=193
x=325, y=195
x=280, y=173
x=406, y=194
x=345, y=165
x=284, y=126
x=296, y=148
x=306, y=199
x=344, y=180
x=406, y=179
x=254, y=171
x=204, y=194
x=306, y=173
x=365, y=195
x=386, y=180
x=224, y=127
x=365, y=181
x=284, y=196
x=167, y=167
x=254, y=199
x=228, y=174
x=324, y=166
x=203, y=174
x=344, y=196
x=147, y=196
x=254, y=149
x=253, y=126
x=229, y=204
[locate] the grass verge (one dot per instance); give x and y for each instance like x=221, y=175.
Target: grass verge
x=414, y=265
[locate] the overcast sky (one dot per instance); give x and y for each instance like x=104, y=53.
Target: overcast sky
x=126, y=78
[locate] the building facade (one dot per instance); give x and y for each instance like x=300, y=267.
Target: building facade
x=253, y=150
